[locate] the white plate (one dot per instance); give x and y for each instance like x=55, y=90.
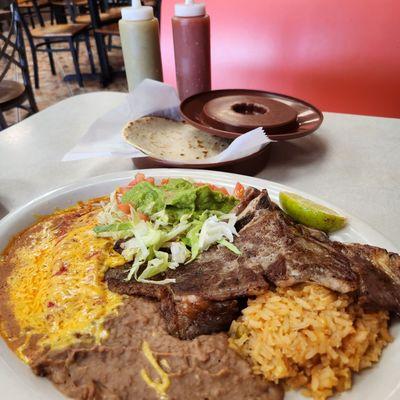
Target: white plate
x=17, y=382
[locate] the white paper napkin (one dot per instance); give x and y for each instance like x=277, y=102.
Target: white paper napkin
x=104, y=138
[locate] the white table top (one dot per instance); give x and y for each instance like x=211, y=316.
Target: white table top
x=352, y=161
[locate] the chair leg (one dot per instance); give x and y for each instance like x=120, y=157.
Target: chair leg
x=31, y=99
x=103, y=59
x=90, y=54
x=51, y=58
x=31, y=17
x=34, y=60
x=35, y=67
x=39, y=15
x=76, y=62
x=77, y=48
x=51, y=14
x=3, y=123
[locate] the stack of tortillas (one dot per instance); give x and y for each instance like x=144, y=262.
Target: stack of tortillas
x=166, y=139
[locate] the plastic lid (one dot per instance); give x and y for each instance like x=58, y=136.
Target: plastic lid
x=137, y=12
x=190, y=9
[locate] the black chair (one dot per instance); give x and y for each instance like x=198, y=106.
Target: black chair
x=79, y=12
x=68, y=33
x=28, y=9
x=5, y=18
x=12, y=52
x=103, y=28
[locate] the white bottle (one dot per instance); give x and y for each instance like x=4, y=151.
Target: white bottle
x=140, y=40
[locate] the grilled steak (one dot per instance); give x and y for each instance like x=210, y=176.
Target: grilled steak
x=204, y=299
x=207, y=293
x=379, y=275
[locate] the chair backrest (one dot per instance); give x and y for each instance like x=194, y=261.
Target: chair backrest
x=12, y=47
x=341, y=55
x=95, y=8
x=66, y=6
x=5, y=17
x=36, y=10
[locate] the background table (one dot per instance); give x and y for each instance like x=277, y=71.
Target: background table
x=351, y=161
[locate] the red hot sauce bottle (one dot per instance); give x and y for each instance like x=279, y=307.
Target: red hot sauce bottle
x=191, y=33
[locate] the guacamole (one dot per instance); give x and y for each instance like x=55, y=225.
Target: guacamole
x=177, y=197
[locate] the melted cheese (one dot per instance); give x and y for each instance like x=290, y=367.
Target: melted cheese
x=57, y=288
x=160, y=386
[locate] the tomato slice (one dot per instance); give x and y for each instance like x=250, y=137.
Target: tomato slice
x=223, y=190
x=139, y=177
x=132, y=183
x=150, y=180
x=142, y=216
x=123, y=189
x=214, y=187
x=124, y=208
x=239, y=191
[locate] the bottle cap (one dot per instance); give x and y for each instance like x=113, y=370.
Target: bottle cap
x=137, y=12
x=190, y=9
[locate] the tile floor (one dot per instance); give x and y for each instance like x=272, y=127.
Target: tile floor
x=53, y=88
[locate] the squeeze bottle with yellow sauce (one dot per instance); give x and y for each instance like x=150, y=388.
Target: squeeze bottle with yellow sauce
x=140, y=40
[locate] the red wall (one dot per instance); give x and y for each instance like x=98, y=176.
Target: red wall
x=341, y=55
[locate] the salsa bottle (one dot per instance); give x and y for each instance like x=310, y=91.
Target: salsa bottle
x=140, y=40
x=191, y=33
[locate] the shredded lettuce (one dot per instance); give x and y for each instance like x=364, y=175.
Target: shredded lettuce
x=214, y=230
x=121, y=230
x=155, y=266
x=193, y=239
x=230, y=246
x=183, y=220
x=179, y=252
x=182, y=227
x=137, y=262
x=160, y=218
x=111, y=213
x=122, y=226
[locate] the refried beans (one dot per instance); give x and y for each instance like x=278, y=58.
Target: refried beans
x=204, y=368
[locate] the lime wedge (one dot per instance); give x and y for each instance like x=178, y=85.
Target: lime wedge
x=311, y=214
